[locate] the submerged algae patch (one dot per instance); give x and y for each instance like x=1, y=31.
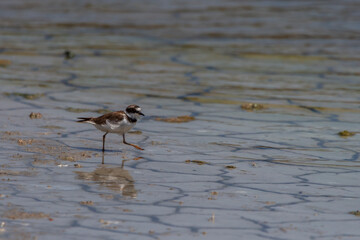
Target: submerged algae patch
x=198, y=162
x=346, y=133
x=89, y=203
x=28, y=96
x=252, y=106
x=48, y=147
x=35, y=115
x=5, y=172
x=179, y=119
x=23, y=142
x=230, y=167
x=16, y=213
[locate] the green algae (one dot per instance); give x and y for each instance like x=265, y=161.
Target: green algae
x=346, y=133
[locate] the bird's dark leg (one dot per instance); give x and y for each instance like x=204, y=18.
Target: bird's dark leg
x=135, y=146
x=104, y=142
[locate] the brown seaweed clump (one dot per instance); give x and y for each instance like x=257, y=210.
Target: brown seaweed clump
x=74, y=156
x=230, y=167
x=35, y=115
x=252, y=106
x=346, y=133
x=179, y=119
x=24, y=142
x=90, y=203
x=198, y=162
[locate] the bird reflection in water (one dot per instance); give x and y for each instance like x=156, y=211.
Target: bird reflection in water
x=116, y=179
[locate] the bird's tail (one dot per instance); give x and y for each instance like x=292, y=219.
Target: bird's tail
x=88, y=120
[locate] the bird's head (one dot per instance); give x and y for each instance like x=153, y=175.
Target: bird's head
x=134, y=111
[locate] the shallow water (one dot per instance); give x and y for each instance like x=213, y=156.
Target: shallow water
x=280, y=172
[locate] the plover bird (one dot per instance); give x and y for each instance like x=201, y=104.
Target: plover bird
x=119, y=122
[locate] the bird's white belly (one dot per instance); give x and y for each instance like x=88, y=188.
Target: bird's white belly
x=116, y=128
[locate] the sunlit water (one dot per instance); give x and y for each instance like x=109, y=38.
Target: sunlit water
x=279, y=172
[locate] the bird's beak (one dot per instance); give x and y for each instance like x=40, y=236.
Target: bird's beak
x=141, y=114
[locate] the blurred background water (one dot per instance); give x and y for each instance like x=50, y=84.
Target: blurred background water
x=266, y=86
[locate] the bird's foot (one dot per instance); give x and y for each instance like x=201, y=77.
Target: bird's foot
x=135, y=146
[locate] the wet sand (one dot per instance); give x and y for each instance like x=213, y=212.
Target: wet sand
x=251, y=127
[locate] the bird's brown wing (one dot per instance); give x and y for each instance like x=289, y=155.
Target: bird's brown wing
x=113, y=117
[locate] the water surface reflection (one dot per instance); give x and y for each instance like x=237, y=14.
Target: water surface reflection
x=116, y=179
